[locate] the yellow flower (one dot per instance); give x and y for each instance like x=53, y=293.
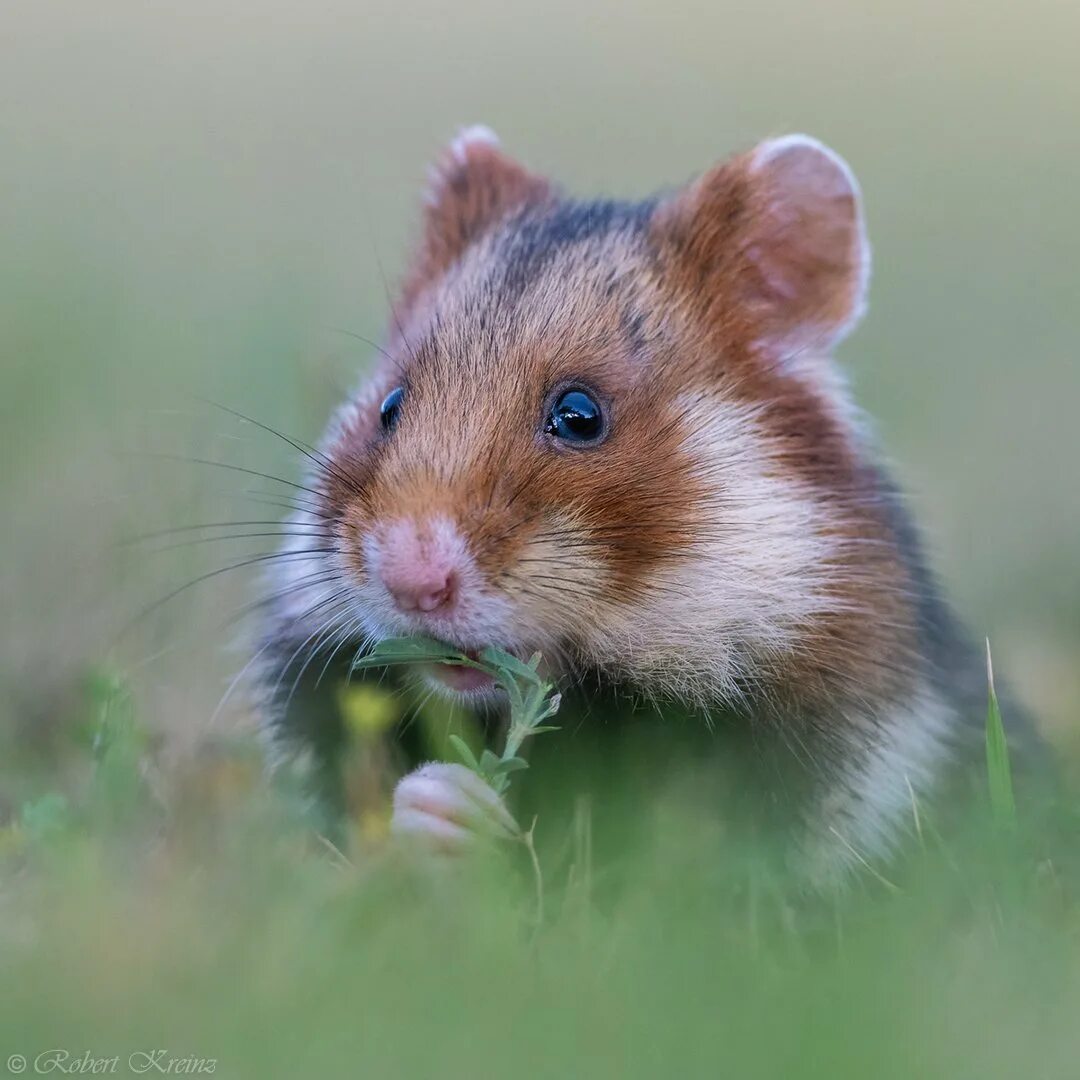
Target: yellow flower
x=368, y=710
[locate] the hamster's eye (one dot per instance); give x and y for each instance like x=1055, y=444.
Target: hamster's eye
x=575, y=417
x=390, y=409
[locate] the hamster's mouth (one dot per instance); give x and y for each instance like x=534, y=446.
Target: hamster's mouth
x=463, y=680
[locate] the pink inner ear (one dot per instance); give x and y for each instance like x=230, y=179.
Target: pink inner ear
x=771, y=274
x=806, y=242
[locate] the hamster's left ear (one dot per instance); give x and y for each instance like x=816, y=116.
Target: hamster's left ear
x=473, y=185
x=776, y=238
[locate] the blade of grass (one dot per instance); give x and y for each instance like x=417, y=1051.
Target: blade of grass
x=998, y=769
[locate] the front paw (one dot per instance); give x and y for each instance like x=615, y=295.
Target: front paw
x=448, y=808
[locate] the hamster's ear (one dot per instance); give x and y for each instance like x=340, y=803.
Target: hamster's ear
x=472, y=185
x=777, y=235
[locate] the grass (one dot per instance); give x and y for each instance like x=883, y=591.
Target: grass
x=998, y=769
x=203, y=919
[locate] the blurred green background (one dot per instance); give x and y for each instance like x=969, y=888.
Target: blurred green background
x=197, y=199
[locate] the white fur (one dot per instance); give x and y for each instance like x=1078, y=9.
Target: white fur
x=292, y=573
x=894, y=759
x=457, y=156
x=470, y=136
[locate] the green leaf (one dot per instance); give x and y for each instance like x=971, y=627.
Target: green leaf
x=468, y=758
x=408, y=651
x=509, y=765
x=489, y=763
x=507, y=662
x=998, y=769
x=551, y=709
x=513, y=691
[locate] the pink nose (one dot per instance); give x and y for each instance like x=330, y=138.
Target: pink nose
x=426, y=589
x=420, y=568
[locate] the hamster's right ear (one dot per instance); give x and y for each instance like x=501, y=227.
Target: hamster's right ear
x=472, y=185
x=772, y=244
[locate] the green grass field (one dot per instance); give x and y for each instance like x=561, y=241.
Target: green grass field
x=204, y=919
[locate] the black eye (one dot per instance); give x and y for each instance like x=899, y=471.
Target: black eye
x=575, y=417
x=391, y=408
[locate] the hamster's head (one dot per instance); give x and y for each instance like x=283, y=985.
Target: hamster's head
x=608, y=431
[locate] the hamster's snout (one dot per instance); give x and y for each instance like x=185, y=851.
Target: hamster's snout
x=421, y=568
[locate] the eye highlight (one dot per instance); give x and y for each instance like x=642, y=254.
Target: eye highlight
x=575, y=417
x=390, y=410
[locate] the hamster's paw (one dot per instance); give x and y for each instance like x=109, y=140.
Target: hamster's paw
x=448, y=808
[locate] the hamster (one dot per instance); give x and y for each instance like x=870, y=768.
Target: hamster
x=613, y=432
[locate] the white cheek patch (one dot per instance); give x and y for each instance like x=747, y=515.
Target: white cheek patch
x=756, y=577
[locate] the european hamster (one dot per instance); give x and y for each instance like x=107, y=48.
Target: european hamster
x=612, y=432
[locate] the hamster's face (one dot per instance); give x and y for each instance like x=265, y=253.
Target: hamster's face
x=517, y=473
x=561, y=451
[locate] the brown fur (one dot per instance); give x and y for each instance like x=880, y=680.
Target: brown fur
x=475, y=185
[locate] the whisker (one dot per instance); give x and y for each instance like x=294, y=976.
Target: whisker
x=374, y=344
x=313, y=455
x=328, y=627
x=321, y=577
x=281, y=534
x=255, y=560
x=346, y=634
x=160, y=534
x=247, y=667
x=394, y=314
x=232, y=468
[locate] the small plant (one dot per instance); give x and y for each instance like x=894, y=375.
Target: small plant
x=119, y=746
x=532, y=700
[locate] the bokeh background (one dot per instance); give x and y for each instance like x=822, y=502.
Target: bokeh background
x=206, y=200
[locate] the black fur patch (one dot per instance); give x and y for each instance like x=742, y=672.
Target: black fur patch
x=532, y=240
